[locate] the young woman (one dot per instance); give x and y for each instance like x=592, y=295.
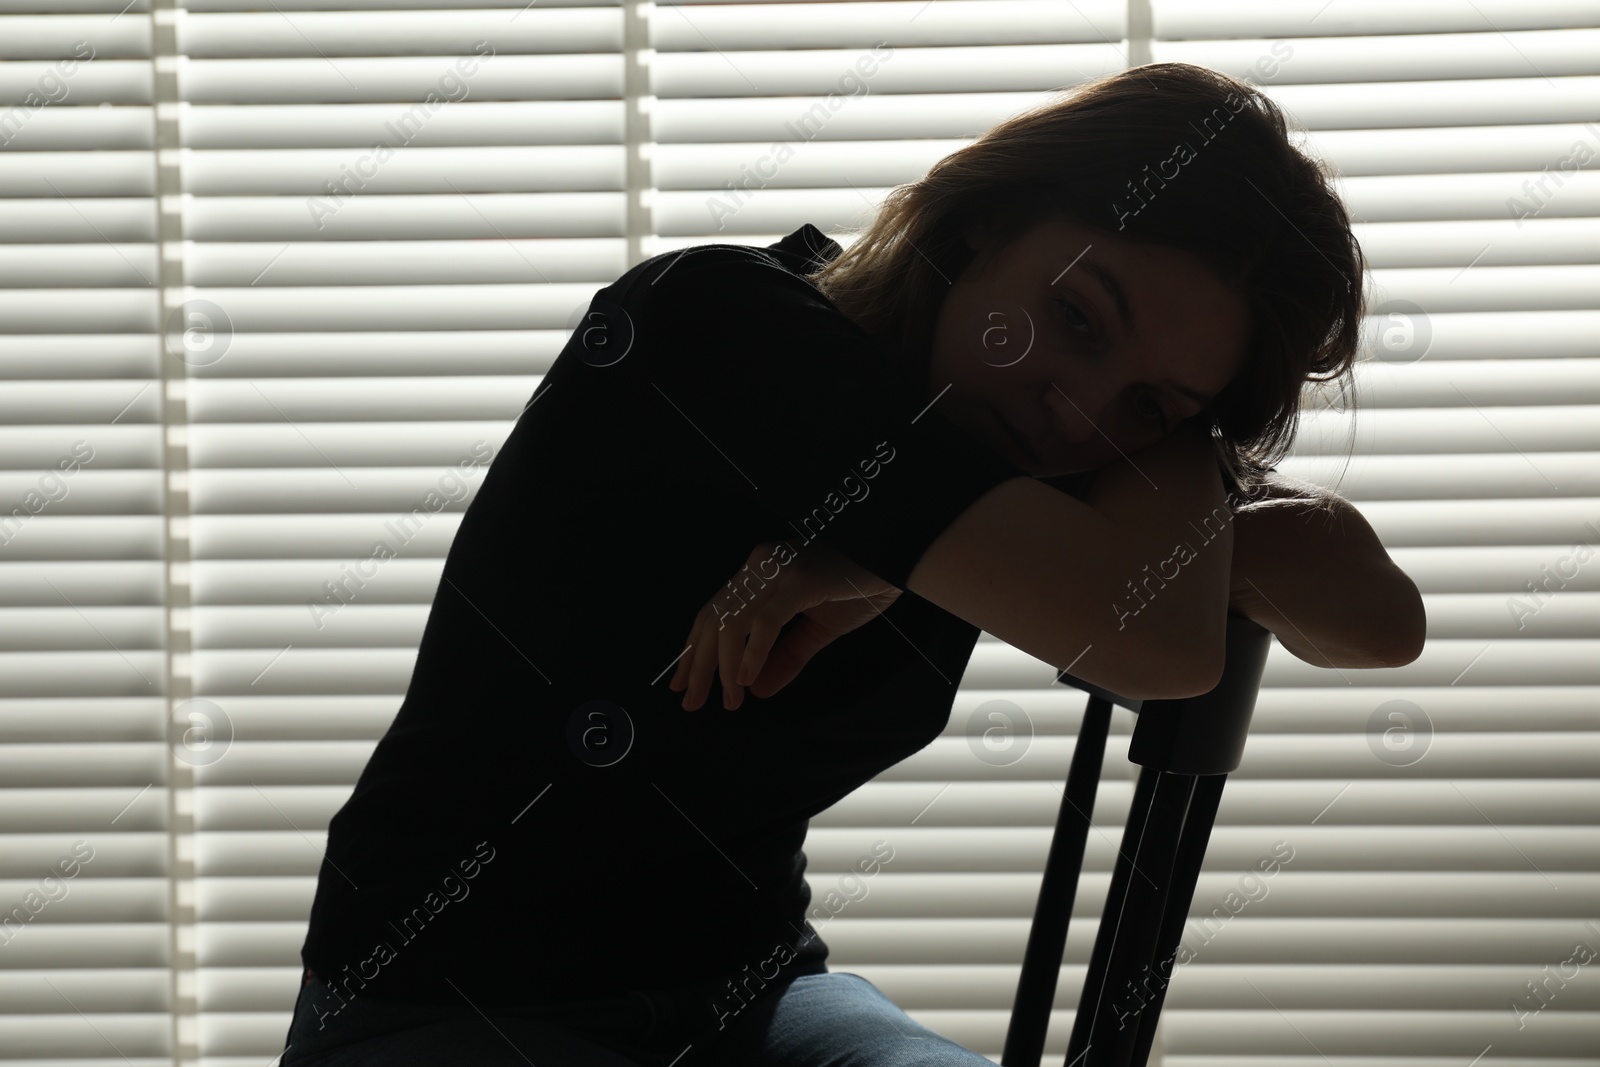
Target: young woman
x=1038, y=396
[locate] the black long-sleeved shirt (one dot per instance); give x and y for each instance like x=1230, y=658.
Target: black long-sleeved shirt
x=497, y=846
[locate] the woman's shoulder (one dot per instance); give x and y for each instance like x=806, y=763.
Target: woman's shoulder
x=735, y=280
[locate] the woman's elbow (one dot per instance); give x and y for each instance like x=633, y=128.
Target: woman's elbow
x=1408, y=632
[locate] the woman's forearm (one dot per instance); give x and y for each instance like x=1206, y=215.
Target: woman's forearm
x=1322, y=582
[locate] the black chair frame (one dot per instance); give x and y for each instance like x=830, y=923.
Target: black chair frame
x=1185, y=749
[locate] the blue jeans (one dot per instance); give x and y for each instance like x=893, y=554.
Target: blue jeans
x=817, y=1019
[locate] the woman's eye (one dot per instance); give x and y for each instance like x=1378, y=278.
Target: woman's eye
x=1155, y=414
x=1074, y=317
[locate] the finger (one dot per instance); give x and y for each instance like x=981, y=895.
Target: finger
x=696, y=682
x=680, y=674
x=685, y=676
x=763, y=632
x=706, y=655
x=679, y=668
x=730, y=650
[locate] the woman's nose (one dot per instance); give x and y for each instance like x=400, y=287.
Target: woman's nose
x=1074, y=419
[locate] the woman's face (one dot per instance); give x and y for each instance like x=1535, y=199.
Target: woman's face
x=1084, y=343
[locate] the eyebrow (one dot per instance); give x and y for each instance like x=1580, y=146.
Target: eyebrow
x=1119, y=297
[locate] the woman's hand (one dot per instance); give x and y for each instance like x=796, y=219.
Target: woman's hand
x=831, y=595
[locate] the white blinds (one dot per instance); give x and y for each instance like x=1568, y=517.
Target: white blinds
x=290, y=274
x=84, y=850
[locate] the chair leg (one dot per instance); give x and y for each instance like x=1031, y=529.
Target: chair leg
x=1047, y=938
x=1111, y=1005
x=1094, y=982
x=1191, y=854
x=1129, y=974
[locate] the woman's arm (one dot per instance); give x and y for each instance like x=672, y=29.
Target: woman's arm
x=1317, y=577
x=1321, y=581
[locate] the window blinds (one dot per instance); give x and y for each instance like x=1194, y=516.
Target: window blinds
x=85, y=852
x=276, y=280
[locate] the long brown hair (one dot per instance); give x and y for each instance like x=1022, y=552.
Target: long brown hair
x=1256, y=210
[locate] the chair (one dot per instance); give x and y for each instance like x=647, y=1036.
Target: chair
x=1185, y=749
